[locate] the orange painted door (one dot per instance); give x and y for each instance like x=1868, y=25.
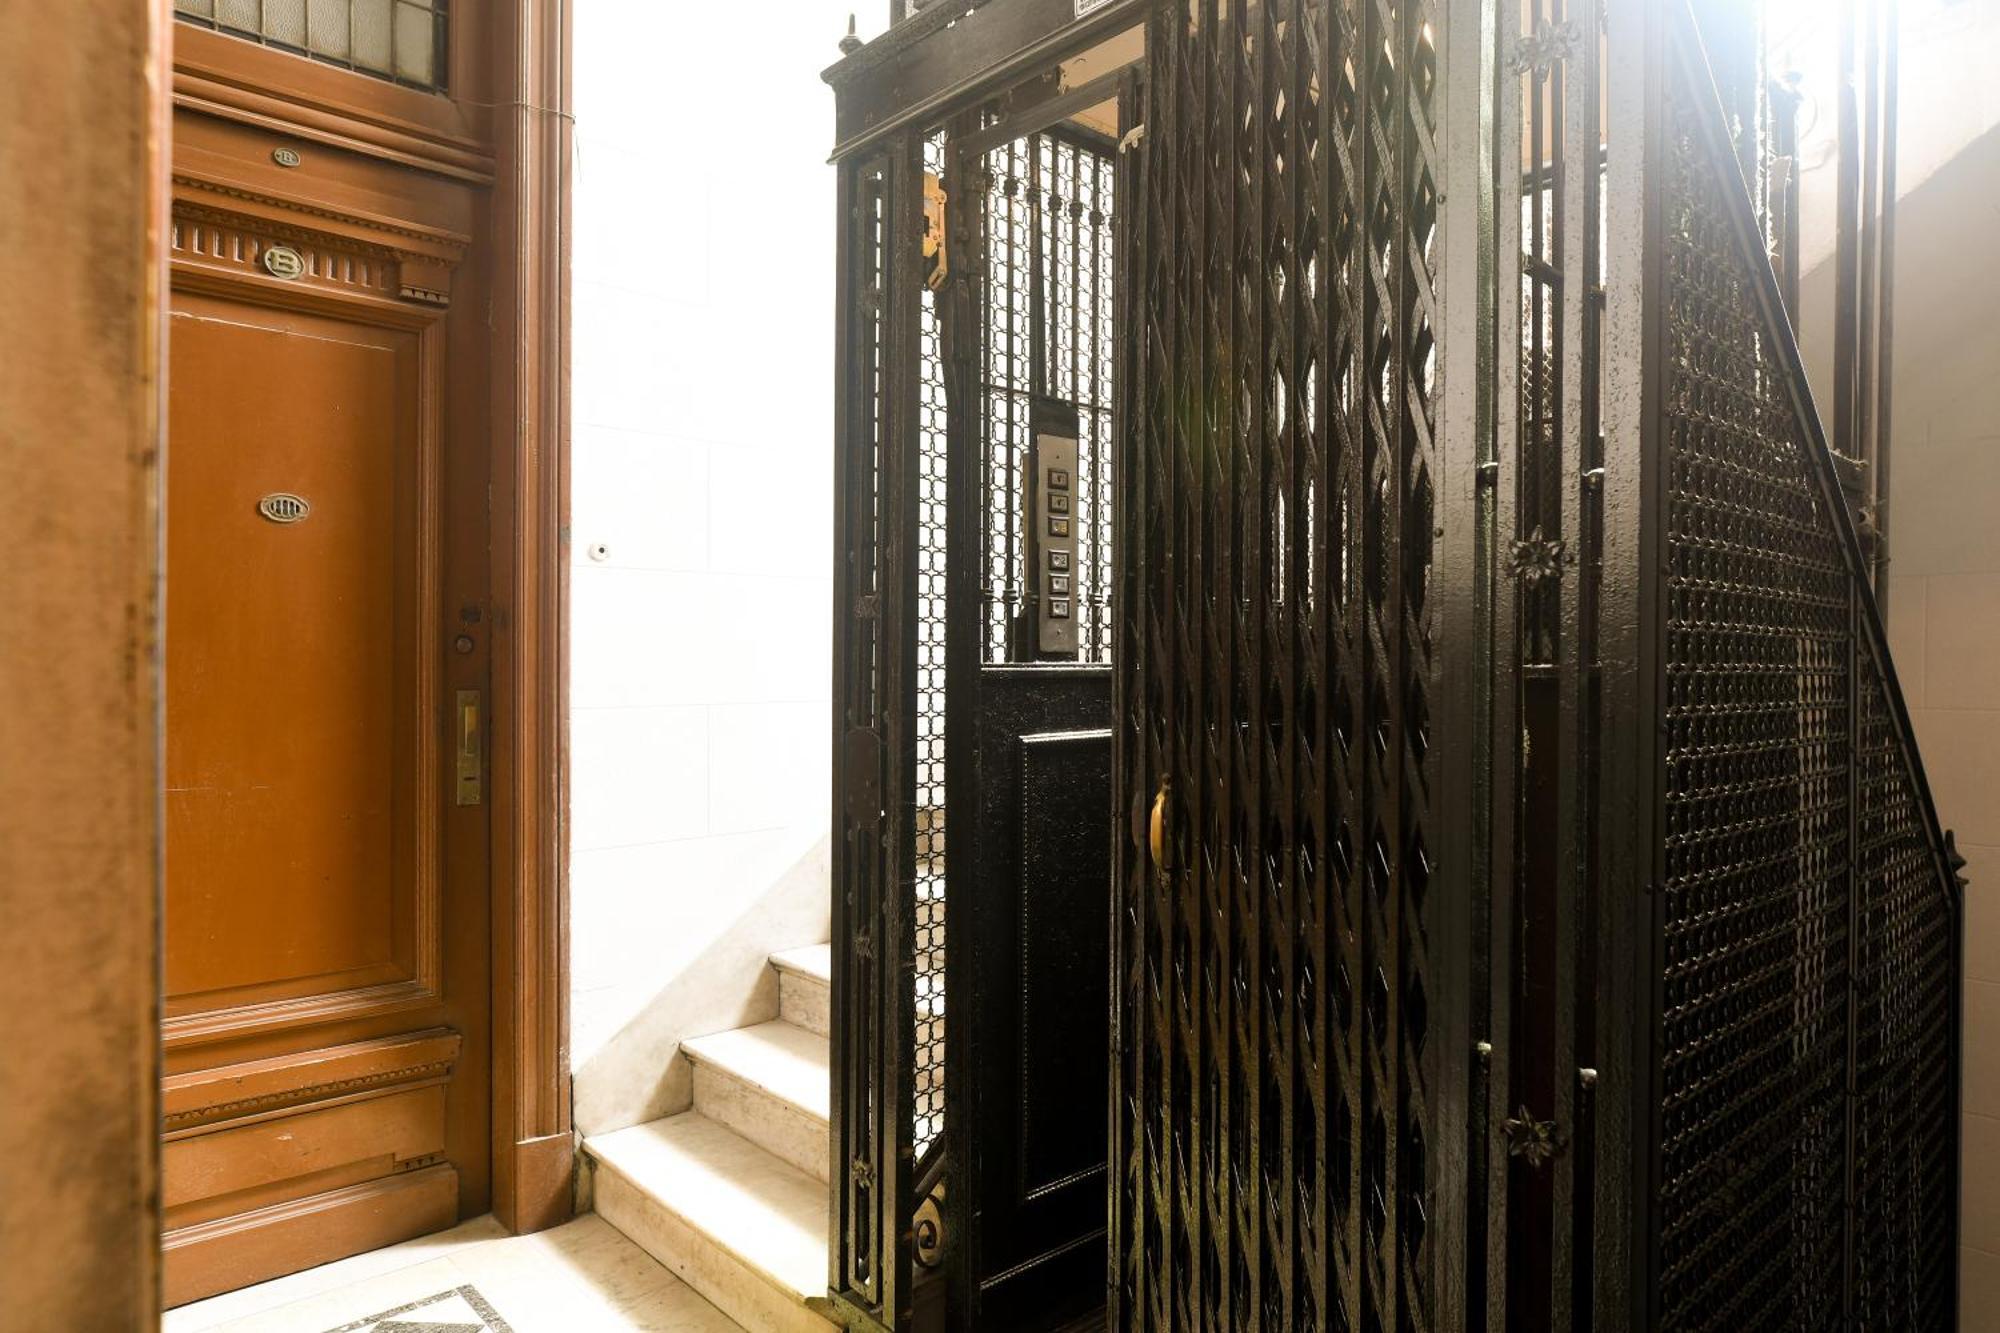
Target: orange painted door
x=326, y=1003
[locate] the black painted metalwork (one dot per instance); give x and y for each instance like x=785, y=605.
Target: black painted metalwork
x=1864, y=267
x=1273, y=1135
x=1532, y=1186
x=876, y=728
x=1529, y=910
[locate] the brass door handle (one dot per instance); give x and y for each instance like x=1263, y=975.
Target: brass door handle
x=1156, y=829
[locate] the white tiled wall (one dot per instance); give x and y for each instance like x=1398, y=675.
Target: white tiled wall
x=1945, y=632
x=703, y=374
x=1944, y=629
x=1947, y=51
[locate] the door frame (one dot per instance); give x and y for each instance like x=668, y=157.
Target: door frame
x=84, y=268
x=534, y=1149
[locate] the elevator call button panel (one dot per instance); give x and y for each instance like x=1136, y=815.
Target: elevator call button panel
x=1054, y=503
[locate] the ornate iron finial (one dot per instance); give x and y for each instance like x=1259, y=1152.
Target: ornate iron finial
x=1539, y=559
x=1536, y=1142
x=852, y=42
x=1954, y=858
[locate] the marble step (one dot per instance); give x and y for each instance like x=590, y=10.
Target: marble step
x=741, y=1226
x=805, y=993
x=769, y=1083
x=805, y=987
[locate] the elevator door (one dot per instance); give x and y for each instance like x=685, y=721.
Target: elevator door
x=1030, y=344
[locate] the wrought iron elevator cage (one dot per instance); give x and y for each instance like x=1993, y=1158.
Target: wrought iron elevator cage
x=1528, y=909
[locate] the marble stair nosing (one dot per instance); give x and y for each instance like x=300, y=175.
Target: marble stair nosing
x=741, y=1226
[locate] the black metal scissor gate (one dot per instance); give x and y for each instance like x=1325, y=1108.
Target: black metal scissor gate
x=1277, y=1145
x=1526, y=908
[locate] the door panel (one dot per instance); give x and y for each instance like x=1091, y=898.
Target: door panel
x=1037, y=898
x=1064, y=796
x=293, y=775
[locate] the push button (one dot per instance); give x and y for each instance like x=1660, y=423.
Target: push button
x=1059, y=585
x=1058, y=479
x=1058, y=559
x=1059, y=504
x=1059, y=609
x=1058, y=527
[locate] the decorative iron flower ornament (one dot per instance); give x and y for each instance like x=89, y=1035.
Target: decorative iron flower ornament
x=1547, y=44
x=1536, y=1142
x=1539, y=559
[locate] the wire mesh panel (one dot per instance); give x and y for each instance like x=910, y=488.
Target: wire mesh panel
x=1045, y=236
x=1273, y=1143
x=1755, y=898
x=399, y=40
x=932, y=624
x=1806, y=1117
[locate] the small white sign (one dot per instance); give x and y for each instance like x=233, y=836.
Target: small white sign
x=1086, y=6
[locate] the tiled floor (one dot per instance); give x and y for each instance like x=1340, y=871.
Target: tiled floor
x=579, y=1278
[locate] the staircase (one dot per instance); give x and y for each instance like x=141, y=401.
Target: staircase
x=732, y=1195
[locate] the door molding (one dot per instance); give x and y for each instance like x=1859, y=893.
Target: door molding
x=534, y=1151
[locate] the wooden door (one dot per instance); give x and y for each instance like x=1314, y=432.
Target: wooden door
x=325, y=1015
